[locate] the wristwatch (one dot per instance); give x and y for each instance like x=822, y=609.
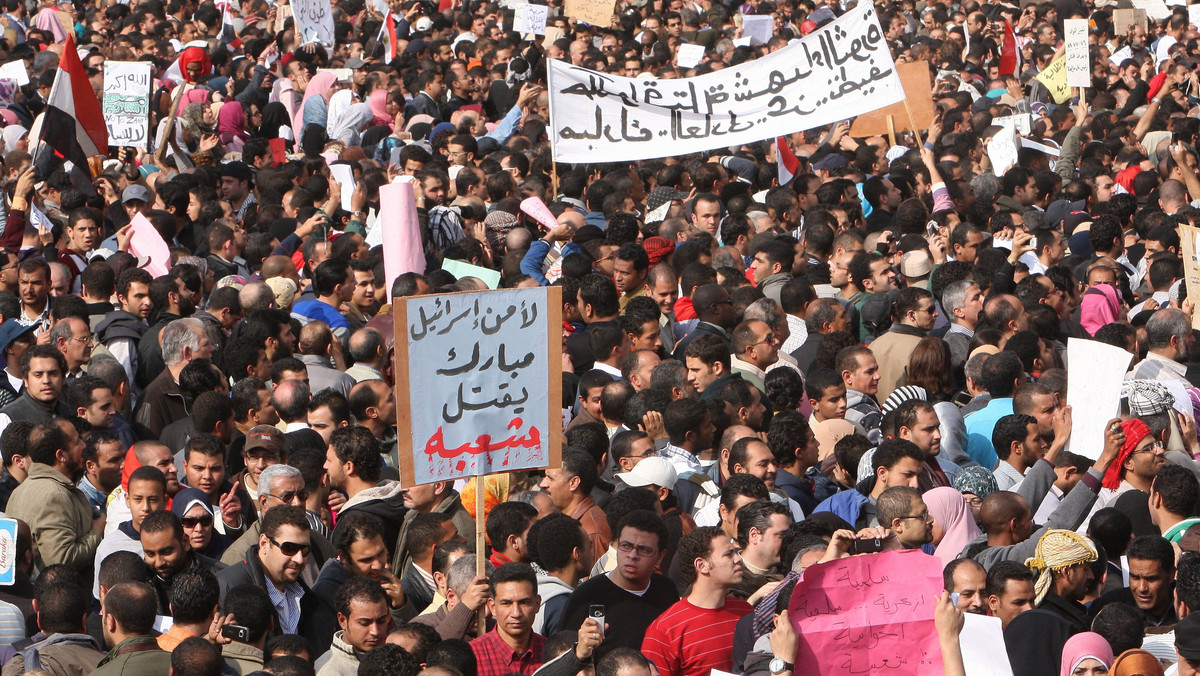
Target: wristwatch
x=778, y=666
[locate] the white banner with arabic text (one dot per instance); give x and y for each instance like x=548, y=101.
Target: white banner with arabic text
x=842, y=70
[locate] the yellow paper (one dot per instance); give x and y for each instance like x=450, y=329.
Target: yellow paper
x=1055, y=79
x=594, y=12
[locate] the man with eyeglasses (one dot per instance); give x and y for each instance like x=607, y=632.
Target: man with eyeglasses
x=74, y=340
x=901, y=509
x=915, y=313
x=755, y=349
x=281, y=486
x=633, y=591
x=277, y=563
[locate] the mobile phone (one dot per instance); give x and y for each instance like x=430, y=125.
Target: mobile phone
x=236, y=632
x=954, y=599
x=868, y=546
x=596, y=612
x=1033, y=243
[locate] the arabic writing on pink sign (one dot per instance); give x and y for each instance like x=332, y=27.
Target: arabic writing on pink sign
x=869, y=614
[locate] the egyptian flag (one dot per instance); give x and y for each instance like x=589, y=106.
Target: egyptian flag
x=72, y=128
x=1010, y=52
x=229, y=38
x=785, y=161
x=387, y=36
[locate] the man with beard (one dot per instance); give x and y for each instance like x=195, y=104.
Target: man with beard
x=168, y=553
x=173, y=301
x=58, y=513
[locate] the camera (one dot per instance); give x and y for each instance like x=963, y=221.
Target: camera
x=868, y=546
x=596, y=612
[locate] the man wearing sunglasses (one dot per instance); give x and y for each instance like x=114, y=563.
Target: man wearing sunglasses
x=276, y=563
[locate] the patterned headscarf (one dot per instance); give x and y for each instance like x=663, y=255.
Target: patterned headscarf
x=1058, y=549
x=1135, y=431
x=976, y=480
x=499, y=224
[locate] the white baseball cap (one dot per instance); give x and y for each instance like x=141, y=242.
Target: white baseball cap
x=651, y=472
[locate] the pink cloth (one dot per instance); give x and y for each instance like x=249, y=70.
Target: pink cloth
x=1100, y=307
x=378, y=102
x=1088, y=645
x=195, y=95
x=949, y=509
x=231, y=122
x=319, y=85
x=49, y=19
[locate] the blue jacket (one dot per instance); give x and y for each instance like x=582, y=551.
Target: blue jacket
x=846, y=504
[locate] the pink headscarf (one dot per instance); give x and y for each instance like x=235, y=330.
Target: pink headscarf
x=1088, y=645
x=231, y=122
x=949, y=509
x=378, y=102
x=194, y=95
x=1100, y=307
x=319, y=85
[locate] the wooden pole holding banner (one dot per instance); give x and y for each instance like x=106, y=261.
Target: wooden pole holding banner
x=913, y=121
x=160, y=155
x=480, y=560
x=891, y=126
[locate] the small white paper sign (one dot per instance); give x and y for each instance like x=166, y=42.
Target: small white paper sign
x=1076, y=41
x=15, y=70
x=1193, y=16
x=1002, y=151
x=1118, y=57
x=1019, y=123
x=1156, y=10
x=1094, y=374
x=978, y=640
x=529, y=18
x=689, y=55
x=757, y=28
x=344, y=175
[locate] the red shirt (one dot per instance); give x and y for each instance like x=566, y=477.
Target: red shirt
x=687, y=640
x=496, y=658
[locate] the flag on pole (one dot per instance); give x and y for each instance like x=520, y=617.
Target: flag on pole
x=785, y=161
x=387, y=36
x=72, y=127
x=229, y=38
x=1010, y=52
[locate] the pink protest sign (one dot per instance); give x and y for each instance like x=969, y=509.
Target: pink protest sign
x=144, y=240
x=402, y=250
x=536, y=209
x=869, y=614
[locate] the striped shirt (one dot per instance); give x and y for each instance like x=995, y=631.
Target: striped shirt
x=687, y=640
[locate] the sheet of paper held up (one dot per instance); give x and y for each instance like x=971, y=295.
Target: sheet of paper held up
x=344, y=175
x=978, y=640
x=1094, y=374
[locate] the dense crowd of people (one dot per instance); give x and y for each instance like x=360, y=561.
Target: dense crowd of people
x=763, y=370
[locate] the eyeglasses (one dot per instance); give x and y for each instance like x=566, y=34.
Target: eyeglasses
x=288, y=497
x=769, y=338
x=642, y=550
x=924, y=516
x=86, y=340
x=193, y=521
x=290, y=548
x=1156, y=446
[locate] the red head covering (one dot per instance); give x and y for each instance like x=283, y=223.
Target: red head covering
x=1135, y=431
x=190, y=55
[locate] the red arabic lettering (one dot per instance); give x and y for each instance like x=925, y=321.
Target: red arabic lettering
x=483, y=443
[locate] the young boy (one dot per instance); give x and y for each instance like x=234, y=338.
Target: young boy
x=591, y=384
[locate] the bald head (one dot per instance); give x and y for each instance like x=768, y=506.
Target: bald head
x=148, y=452
x=315, y=339
x=279, y=266
x=517, y=239
x=733, y=434
x=256, y=296
x=999, y=509
x=291, y=400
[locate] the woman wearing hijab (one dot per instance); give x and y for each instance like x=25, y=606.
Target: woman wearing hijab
x=953, y=522
x=195, y=510
x=1086, y=654
x=16, y=137
x=231, y=125
x=276, y=123
x=1136, y=662
x=378, y=102
x=314, y=106
x=1101, y=306
x=194, y=64
x=350, y=123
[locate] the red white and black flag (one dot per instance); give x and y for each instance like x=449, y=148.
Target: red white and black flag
x=1010, y=52
x=72, y=129
x=785, y=161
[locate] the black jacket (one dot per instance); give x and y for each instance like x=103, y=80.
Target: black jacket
x=318, y=621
